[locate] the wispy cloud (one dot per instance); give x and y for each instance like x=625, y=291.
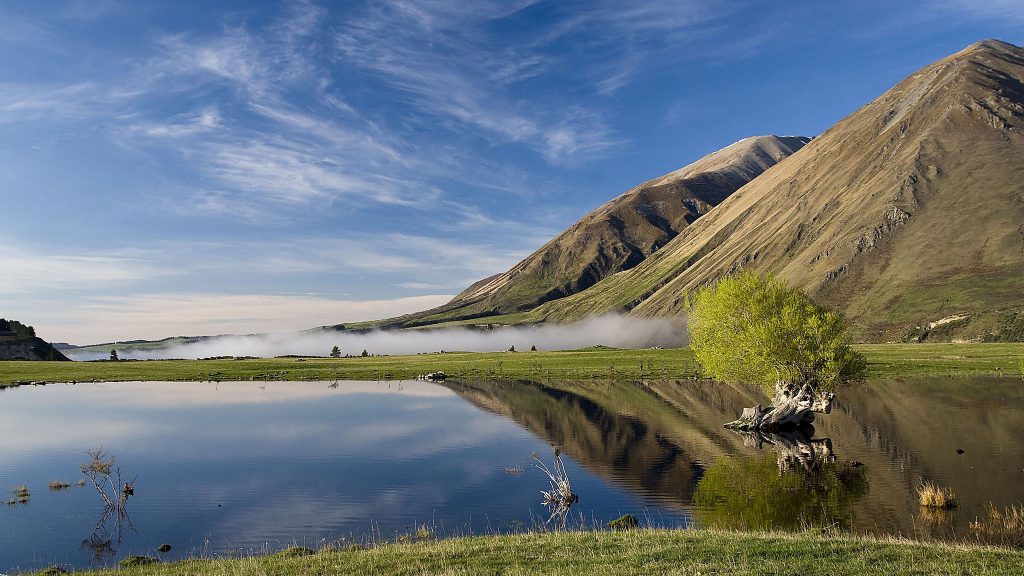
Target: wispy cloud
x=26, y=271
x=182, y=125
x=440, y=59
x=50, y=102
x=161, y=315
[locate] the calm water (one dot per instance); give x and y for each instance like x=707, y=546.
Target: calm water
x=236, y=467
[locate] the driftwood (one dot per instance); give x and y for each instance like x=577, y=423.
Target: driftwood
x=793, y=406
x=795, y=450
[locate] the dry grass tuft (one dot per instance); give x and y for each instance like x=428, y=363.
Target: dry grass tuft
x=932, y=495
x=1004, y=526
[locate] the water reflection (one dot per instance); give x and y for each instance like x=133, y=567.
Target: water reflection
x=804, y=487
x=243, y=465
x=665, y=440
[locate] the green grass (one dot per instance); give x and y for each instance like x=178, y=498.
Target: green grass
x=629, y=552
x=884, y=361
x=907, y=360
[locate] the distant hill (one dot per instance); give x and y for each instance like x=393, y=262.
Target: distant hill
x=127, y=347
x=908, y=215
x=616, y=236
x=19, y=342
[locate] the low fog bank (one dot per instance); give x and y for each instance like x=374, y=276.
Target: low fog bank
x=615, y=331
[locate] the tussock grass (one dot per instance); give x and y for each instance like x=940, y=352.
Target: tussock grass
x=1004, y=526
x=652, y=552
x=58, y=485
x=932, y=495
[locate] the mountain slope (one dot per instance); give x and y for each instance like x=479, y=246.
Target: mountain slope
x=906, y=213
x=618, y=235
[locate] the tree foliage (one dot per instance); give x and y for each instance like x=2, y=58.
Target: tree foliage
x=750, y=327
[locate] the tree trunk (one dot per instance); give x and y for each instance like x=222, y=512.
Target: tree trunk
x=793, y=406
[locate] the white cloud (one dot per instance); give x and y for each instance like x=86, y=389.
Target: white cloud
x=26, y=271
x=435, y=54
x=158, y=315
x=50, y=102
x=183, y=125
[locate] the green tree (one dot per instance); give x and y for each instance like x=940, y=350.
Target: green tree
x=335, y=352
x=365, y=354
x=751, y=328
x=113, y=355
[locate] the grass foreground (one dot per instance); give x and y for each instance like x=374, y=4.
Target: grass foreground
x=884, y=361
x=629, y=552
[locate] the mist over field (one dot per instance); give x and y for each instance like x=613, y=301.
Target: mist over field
x=612, y=330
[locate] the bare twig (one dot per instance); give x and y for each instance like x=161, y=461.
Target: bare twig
x=560, y=498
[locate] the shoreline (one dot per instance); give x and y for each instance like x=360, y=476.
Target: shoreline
x=884, y=361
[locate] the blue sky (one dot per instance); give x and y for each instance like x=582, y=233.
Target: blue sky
x=188, y=167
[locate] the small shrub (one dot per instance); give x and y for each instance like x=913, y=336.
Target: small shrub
x=58, y=484
x=931, y=495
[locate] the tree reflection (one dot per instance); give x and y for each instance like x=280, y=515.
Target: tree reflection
x=105, y=475
x=801, y=487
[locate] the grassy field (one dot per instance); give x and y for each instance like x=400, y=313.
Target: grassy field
x=632, y=552
x=885, y=360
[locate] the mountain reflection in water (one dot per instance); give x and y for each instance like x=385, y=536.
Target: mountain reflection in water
x=859, y=471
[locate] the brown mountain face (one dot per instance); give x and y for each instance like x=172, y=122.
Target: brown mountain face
x=620, y=234
x=908, y=215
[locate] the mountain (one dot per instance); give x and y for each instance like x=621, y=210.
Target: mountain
x=618, y=235
x=908, y=215
x=19, y=342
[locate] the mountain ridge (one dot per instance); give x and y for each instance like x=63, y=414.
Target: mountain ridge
x=616, y=236
x=871, y=216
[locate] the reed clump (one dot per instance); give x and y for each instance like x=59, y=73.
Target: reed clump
x=21, y=495
x=932, y=495
x=1005, y=526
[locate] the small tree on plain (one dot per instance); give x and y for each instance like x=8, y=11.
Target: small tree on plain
x=335, y=352
x=113, y=355
x=365, y=354
x=751, y=328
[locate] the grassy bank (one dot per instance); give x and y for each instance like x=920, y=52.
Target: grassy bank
x=885, y=360
x=633, y=552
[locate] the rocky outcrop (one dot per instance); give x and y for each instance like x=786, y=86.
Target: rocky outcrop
x=19, y=342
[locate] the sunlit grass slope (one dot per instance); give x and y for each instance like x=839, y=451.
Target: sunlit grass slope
x=649, y=552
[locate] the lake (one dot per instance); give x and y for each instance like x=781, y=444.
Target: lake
x=242, y=467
